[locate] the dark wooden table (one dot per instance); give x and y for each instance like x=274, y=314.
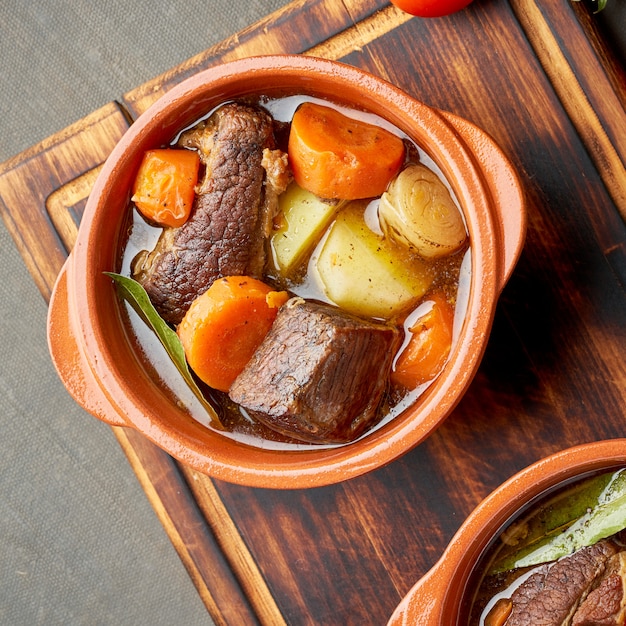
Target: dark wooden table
x=541, y=79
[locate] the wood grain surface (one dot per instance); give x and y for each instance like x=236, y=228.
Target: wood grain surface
x=540, y=80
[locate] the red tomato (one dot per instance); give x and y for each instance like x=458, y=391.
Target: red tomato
x=431, y=8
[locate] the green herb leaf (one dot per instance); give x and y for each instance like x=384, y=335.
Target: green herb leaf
x=134, y=293
x=600, y=505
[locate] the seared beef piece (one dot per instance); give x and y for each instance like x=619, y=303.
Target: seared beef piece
x=550, y=596
x=606, y=604
x=232, y=214
x=319, y=375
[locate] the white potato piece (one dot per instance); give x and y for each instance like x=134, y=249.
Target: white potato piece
x=304, y=219
x=419, y=211
x=365, y=273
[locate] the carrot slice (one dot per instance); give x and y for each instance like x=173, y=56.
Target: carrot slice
x=429, y=346
x=225, y=325
x=499, y=613
x=335, y=156
x=164, y=188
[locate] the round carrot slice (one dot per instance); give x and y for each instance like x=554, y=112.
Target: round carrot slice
x=225, y=325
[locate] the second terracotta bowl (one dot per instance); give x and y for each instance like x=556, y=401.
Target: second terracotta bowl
x=439, y=598
x=103, y=371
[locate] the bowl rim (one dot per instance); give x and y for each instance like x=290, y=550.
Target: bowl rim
x=302, y=468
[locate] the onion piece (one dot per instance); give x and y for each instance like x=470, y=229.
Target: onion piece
x=418, y=211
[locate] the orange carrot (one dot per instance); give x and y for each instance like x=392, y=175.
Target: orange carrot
x=164, y=187
x=225, y=325
x=499, y=613
x=429, y=346
x=334, y=156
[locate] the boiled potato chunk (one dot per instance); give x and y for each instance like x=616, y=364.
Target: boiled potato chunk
x=304, y=217
x=366, y=274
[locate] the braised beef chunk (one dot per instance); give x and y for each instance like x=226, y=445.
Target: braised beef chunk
x=231, y=218
x=319, y=375
x=550, y=596
x=606, y=603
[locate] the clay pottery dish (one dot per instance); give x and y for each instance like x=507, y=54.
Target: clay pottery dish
x=89, y=341
x=437, y=599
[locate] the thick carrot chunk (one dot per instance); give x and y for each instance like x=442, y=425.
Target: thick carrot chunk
x=225, y=325
x=164, y=188
x=335, y=156
x=429, y=346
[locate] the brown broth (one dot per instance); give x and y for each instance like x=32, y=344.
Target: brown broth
x=452, y=275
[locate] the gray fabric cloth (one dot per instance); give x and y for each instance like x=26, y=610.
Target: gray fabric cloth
x=79, y=542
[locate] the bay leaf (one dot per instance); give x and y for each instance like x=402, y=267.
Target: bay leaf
x=134, y=293
x=589, y=512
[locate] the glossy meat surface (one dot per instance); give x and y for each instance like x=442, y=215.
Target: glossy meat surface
x=550, y=596
x=320, y=373
x=227, y=230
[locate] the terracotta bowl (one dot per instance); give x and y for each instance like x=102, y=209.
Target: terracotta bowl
x=437, y=598
x=89, y=342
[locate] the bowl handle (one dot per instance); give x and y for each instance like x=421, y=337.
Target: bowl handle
x=423, y=604
x=506, y=192
x=69, y=360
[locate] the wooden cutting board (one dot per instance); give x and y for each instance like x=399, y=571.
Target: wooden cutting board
x=540, y=78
